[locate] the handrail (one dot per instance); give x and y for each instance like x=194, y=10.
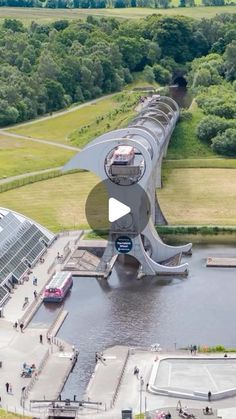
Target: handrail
x=119, y=381
x=50, y=329
x=35, y=376
x=34, y=305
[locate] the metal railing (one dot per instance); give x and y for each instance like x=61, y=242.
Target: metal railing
x=34, y=305
x=35, y=376
x=50, y=333
x=119, y=381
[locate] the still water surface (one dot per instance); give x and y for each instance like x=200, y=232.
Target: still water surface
x=199, y=309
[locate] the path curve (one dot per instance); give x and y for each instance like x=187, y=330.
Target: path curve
x=38, y=140
x=60, y=113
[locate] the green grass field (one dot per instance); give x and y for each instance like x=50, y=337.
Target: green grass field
x=199, y=196
x=207, y=163
x=57, y=203
x=27, y=15
x=189, y=196
x=19, y=156
x=93, y=119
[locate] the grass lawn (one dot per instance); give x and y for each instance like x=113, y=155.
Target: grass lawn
x=19, y=156
x=57, y=203
x=184, y=143
x=8, y=415
x=199, y=196
x=92, y=119
x=28, y=14
x=210, y=163
x=189, y=196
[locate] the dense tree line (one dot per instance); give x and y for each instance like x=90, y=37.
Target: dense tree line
x=46, y=67
x=213, y=79
x=100, y=4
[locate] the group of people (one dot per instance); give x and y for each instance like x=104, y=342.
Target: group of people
x=27, y=370
x=20, y=324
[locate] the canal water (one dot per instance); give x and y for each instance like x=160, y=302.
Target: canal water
x=172, y=311
x=181, y=95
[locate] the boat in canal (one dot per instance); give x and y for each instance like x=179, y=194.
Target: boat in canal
x=58, y=287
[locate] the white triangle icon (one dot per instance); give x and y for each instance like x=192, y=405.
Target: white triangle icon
x=117, y=209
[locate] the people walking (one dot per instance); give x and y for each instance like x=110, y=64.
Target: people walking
x=35, y=294
x=41, y=338
x=7, y=387
x=21, y=327
x=35, y=281
x=209, y=396
x=15, y=325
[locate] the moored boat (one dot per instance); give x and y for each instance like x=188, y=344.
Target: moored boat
x=58, y=287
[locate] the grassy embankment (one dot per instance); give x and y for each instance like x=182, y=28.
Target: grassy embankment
x=27, y=15
x=18, y=156
x=82, y=125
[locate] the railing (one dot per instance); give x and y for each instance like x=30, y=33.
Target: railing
x=119, y=381
x=50, y=330
x=58, y=342
x=33, y=307
x=35, y=376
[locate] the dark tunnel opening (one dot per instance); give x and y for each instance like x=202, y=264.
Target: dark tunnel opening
x=180, y=81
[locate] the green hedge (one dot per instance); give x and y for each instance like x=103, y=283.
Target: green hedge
x=18, y=183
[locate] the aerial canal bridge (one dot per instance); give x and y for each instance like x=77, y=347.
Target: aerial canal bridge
x=129, y=163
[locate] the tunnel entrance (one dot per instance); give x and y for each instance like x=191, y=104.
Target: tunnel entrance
x=180, y=81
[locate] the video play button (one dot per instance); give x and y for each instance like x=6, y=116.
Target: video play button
x=126, y=208
x=117, y=210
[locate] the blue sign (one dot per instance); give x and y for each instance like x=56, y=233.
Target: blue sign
x=123, y=244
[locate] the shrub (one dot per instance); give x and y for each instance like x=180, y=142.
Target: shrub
x=225, y=143
x=185, y=115
x=210, y=126
x=225, y=110
x=162, y=75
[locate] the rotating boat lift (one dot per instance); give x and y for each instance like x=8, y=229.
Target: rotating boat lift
x=149, y=135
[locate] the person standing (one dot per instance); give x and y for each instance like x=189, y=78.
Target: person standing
x=21, y=327
x=16, y=325
x=41, y=338
x=35, y=294
x=7, y=387
x=209, y=396
x=10, y=388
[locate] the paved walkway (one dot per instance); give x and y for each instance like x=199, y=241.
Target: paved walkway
x=13, y=310
x=17, y=348
x=129, y=390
